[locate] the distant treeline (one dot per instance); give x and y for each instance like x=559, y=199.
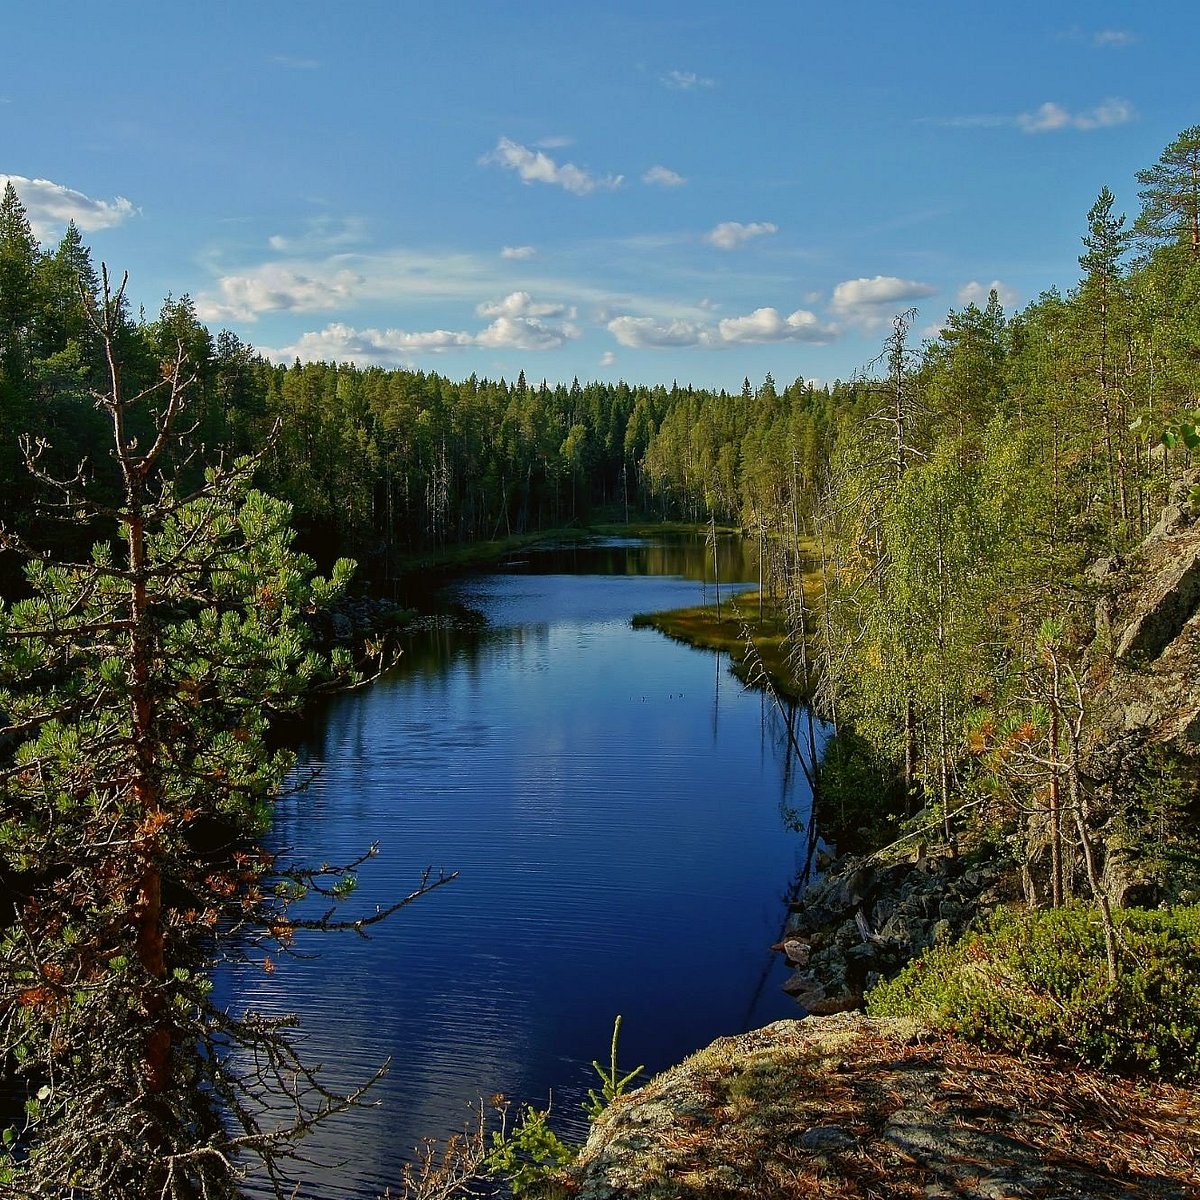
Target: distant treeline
x=381, y=463
x=377, y=463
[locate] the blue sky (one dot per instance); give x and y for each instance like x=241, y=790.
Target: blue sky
x=695, y=191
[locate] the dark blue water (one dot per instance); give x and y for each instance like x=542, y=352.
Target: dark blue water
x=613, y=801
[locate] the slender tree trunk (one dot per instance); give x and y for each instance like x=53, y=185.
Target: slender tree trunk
x=1079, y=811
x=712, y=525
x=147, y=908
x=1078, y=807
x=1056, y=865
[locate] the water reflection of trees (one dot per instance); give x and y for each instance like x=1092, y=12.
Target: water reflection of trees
x=683, y=555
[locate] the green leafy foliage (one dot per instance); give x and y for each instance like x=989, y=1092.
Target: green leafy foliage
x=1038, y=981
x=527, y=1157
x=859, y=793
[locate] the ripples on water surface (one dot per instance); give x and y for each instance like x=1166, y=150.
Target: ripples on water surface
x=612, y=800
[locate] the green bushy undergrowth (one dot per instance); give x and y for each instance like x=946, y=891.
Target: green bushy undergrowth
x=1038, y=981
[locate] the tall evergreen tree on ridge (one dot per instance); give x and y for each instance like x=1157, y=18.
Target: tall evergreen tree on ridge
x=19, y=256
x=1170, y=195
x=1101, y=311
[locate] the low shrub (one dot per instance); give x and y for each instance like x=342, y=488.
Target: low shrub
x=1038, y=982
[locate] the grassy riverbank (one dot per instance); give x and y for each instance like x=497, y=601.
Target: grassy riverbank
x=750, y=628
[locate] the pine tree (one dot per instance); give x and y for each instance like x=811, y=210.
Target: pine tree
x=1171, y=194
x=1101, y=304
x=19, y=255
x=135, y=692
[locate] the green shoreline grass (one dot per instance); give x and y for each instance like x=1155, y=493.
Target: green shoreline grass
x=738, y=622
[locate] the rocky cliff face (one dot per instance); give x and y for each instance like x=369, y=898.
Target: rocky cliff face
x=1145, y=667
x=1143, y=689
x=853, y=1107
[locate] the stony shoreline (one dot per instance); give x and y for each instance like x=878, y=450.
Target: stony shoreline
x=863, y=920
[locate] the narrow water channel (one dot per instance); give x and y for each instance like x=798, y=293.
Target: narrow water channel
x=615, y=803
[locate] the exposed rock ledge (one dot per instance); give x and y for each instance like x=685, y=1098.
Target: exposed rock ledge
x=848, y=1106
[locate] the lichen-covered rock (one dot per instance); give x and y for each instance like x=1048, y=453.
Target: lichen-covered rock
x=1168, y=601
x=853, y=1107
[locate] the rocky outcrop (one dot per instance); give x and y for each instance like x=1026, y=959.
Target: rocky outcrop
x=354, y=618
x=863, y=920
x=1149, y=687
x=853, y=1107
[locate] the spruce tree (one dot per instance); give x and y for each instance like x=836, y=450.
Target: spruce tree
x=19, y=256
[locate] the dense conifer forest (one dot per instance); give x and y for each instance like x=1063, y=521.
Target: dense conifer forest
x=943, y=507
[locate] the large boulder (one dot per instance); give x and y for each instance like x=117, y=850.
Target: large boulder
x=853, y=1107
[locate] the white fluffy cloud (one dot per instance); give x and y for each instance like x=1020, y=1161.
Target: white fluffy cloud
x=518, y=252
x=660, y=176
x=761, y=326
x=1051, y=117
x=640, y=333
x=519, y=323
x=607, y=358
x=977, y=293
x=534, y=166
x=339, y=342
x=685, y=81
x=870, y=302
x=275, y=288
x=522, y=305
x=729, y=235
x=525, y=333
x=769, y=325
x=50, y=206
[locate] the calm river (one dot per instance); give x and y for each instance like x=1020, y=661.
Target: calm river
x=614, y=802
